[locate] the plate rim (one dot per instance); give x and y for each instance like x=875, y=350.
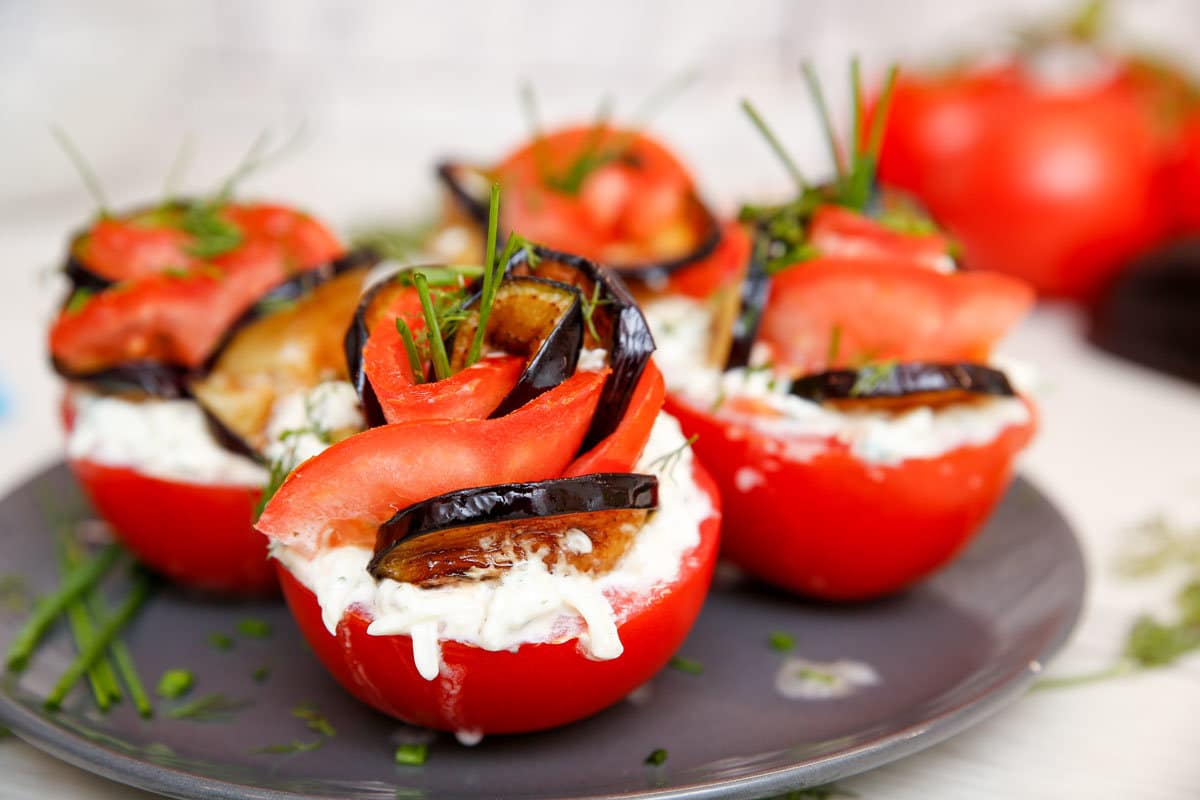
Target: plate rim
x=77, y=750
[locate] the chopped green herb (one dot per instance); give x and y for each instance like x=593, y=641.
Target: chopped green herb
x=210, y=708
x=667, y=461
x=783, y=642
x=175, y=683
x=816, y=676
x=315, y=720
x=79, y=299
x=213, y=234
x=657, y=758
x=589, y=309
x=411, y=755
x=689, y=665
x=220, y=640
x=254, y=628
x=260, y=674
x=871, y=377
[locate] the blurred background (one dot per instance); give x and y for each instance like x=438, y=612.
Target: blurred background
x=383, y=89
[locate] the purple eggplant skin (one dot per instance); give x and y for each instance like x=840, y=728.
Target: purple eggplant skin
x=557, y=356
x=755, y=289
x=902, y=380
x=628, y=341
x=653, y=273
x=512, y=502
x=146, y=377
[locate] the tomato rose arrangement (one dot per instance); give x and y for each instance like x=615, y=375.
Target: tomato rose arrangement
x=522, y=537
x=201, y=343
x=1086, y=157
x=611, y=194
x=842, y=395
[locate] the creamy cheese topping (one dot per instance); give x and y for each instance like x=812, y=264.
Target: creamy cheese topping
x=170, y=439
x=681, y=328
x=527, y=603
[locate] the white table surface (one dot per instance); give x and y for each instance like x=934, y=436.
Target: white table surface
x=1118, y=443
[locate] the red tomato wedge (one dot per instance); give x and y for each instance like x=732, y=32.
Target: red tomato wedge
x=727, y=263
x=342, y=495
x=472, y=393
x=149, y=242
x=839, y=232
x=534, y=687
x=637, y=205
x=884, y=309
x=621, y=449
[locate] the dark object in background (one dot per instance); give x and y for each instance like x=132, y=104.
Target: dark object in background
x=1151, y=312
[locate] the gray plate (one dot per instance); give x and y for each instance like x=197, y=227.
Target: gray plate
x=948, y=653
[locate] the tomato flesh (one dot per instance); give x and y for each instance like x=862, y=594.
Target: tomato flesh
x=196, y=535
x=808, y=516
x=343, y=494
x=535, y=687
x=620, y=450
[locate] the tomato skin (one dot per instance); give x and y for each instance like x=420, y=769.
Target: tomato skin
x=620, y=450
x=196, y=535
x=1185, y=178
x=725, y=264
x=536, y=687
x=1059, y=187
x=887, y=308
x=343, y=494
x=837, y=528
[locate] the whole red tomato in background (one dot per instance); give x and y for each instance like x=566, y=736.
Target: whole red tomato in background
x=1059, y=185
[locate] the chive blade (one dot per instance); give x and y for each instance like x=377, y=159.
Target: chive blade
x=410, y=347
x=775, y=144
x=490, y=279
x=101, y=642
x=101, y=678
x=433, y=329
x=133, y=681
x=86, y=173
x=826, y=120
x=879, y=120
x=44, y=614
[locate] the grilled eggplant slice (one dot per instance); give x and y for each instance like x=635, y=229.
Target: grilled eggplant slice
x=467, y=188
x=741, y=329
x=616, y=324
x=476, y=533
x=533, y=317
x=291, y=348
x=899, y=386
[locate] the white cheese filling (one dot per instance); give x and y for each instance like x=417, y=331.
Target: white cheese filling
x=527, y=603
x=170, y=439
x=681, y=328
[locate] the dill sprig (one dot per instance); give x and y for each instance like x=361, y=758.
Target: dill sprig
x=667, y=461
x=589, y=309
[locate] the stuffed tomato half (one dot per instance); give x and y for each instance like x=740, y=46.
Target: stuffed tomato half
x=614, y=195
x=513, y=557
x=201, y=345
x=843, y=395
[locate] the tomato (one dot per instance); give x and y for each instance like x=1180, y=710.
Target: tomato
x=1058, y=186
x=535, y=687
x=197, y=535
x=621, y=449
x=177, y=310
x=886, y=309
x=635, y=203
x=1185, y=178
x=343, y=494
x=724, y=265
x=806, y=515
x=838, y=232
x=472, y=393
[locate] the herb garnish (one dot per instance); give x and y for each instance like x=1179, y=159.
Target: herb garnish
x=260, y=674
x=86, y=173
x=220, y=640
x=411, y=755
x=79, y=298
x=657, y=758
x=667, y=461
x=687, y=665
x=871, y=377
x=315, y=722
x=397, y=242
x=254, y=628
x=210, y=708
x=175, y=683
x=493, y=272
x=14, y=594
x=782, y=642
x=589, y=309
x=835, y=346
